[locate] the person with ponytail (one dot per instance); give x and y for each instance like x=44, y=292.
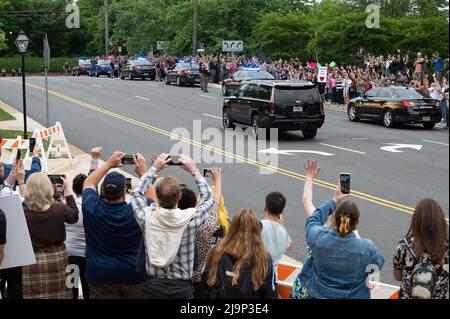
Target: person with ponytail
x=215, y=227
x=340, y=259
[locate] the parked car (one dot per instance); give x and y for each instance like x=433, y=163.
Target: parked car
x=102, y=67
x=83, y=67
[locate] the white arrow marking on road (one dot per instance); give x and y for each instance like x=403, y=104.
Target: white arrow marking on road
x=142, y=98
x=394, y=147
x=213, y=116
x=344, y=149
x=154, y=85
x=209, y=97
x=97, y=86
x=292, y=152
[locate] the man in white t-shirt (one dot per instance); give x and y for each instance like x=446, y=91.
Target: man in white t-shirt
x=275, y=237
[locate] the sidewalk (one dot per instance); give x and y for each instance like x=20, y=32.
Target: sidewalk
x=81, y=160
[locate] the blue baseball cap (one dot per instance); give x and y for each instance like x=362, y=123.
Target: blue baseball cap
x=114, y=184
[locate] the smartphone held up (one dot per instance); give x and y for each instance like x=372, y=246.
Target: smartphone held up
x=344, y=180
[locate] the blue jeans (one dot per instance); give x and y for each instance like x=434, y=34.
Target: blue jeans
x=444, y=110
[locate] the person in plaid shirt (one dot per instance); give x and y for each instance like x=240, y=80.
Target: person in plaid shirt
x=169, y=232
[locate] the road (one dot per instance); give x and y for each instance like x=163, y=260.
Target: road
x=139, y=116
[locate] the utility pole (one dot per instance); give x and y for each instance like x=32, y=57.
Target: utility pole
x=194, y=28
x=317, y=48
x=106, y=29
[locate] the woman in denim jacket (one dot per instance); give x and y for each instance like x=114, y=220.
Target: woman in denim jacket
x=340, y=260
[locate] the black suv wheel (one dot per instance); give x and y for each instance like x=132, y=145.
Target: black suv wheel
x=227, y=120
x=388, y=119
x=309, y=133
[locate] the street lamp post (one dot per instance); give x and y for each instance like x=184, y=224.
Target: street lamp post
x=22, y=45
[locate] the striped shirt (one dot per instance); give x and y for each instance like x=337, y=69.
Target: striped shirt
x=183, y=265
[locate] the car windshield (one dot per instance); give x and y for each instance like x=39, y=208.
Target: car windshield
x=259, y=75
x=406, y=94
x=141, y=62
x=291, y=95
x=189, y=66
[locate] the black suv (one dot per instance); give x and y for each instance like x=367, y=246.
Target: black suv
x=286, y=105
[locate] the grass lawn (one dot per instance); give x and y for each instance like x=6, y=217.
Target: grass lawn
x=33, y=64
x=4, y=116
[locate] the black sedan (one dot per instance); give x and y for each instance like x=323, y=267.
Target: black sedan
x=396, y=104
x=184, y=73
x=142, y=69
x=232, y=84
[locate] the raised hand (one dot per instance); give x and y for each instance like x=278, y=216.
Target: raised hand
x=312, y=169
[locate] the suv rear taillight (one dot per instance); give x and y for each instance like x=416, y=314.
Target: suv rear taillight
x=272, y=103
x=408, y=104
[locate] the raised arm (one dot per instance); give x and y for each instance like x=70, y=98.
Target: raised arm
x=312, y=169
x=96, y=176
x=138, y=200
x=207, y=197
x=217, y=179
x=96, y=152
x=70, y=208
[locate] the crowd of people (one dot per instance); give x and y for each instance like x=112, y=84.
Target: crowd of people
x=161, y=239
x=343, y=82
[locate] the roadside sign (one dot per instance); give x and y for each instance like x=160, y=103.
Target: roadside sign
x=119, y=49
x=161, y=45
x=233, y=46
x=322, y=75
x=201, y=50
x=46, y=52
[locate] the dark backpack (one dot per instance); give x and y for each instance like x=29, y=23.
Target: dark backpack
x=224, y=288
x=423, y=279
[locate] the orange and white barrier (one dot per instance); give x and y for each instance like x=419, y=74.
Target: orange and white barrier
x=58, y=148
x=288, y=272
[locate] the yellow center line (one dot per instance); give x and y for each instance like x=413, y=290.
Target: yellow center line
x=281, y=171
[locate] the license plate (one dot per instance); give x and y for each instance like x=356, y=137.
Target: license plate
x=146, y=74
x=297, y=109
x=426, y=118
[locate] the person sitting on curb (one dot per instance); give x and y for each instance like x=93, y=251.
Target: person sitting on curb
x=170, y=232
x=113, y=237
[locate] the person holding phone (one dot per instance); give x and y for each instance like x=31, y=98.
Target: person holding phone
x=170, y=245
x=113, y=236
x=35, y=166
x=339, y=259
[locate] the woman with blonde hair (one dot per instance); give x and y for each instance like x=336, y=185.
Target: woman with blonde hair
x=239, y=266
x=340, y=260
x=45, y=219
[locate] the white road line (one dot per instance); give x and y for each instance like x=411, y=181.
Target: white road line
x=154, y=85
x=97, y=86
x=213, y=116
x=52, y=78
x=360, y=138
x=142, y=98
x=434, y=142
x=344, y=149
x=209, y=97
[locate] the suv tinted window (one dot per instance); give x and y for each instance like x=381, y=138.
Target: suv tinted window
x=242, y=90
x=251, y=91
x=290, y=95
x=265, y=92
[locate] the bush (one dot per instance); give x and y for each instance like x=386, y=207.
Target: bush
x=33, y=64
